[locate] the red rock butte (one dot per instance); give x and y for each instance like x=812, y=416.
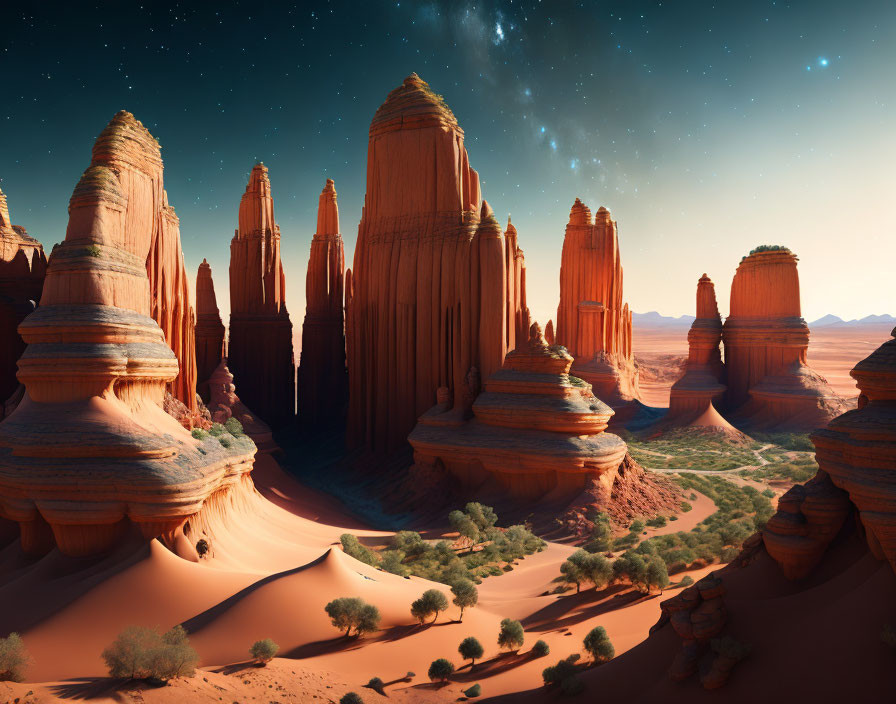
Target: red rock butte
x=701, y=384
x=436, y=290
x=23, y=266
x=535, y=429
x=766, y=343
x=322, y=380
x=592, y=321
x=259, y=349
x=209, y=329
x=89, y=452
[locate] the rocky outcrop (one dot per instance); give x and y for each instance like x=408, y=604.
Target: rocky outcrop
x=259, y=349
x=766, y=342
x=701, y=384
x=697, y=615
x=209, y=329
x=322, y=380
x=434, y=288
x=90, y=454
x=23, y=266
x=534, y=430
x=592, y=321
x=224, y=404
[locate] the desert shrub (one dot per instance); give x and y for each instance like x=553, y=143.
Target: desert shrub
x=199, y=433
x=466, y=596
x=601, y=534
x=234, y=427
x=473, y=691
x=598, y=644
x=686, y=581
x=410, y=543
x=440, y=670
x=625, y=541
x=216, y=430
x=225, y=441
x=541, y=649
x=555, y=674
x=201, y=547
x=637, y=526
x=685, y=507
x=470, y=649
x=352, y=546
x=657, y=522
x=377, y=685
x=351, y=698
x=14, y=659
x=584, y=567
x=352, y=612
x=430, y=603
x=511, y=635
x=393, y=561
x=768, y=493
x=144, y=653
x=93, y=250
x=264, y=650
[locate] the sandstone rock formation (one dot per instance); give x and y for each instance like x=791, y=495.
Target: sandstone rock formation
x=697, y=615
x=322, y=380
x=434, y=290
x=89, y=453
x=209, y=329
x=23, y=265
x=535, y=430
x=766, y=342
x=592, y=321
x=856, y=455
x=225, y=404
x=259, y=349
x=701, y=383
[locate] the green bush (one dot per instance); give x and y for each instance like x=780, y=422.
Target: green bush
x=511, y=635
x=541, y=649
x=657, y=522
x=145, y=653
x=598, y=644
x=564, y=669
x=473, y=691
x=377, y=685
x=264, y=650
x=199, y=433
x=685, y=507
x=584, y=567
x=352, y=612
x=637, y=526
x=470, y=649
x=440, y=670
x=352, y=546
x=351, y=698
x=430, y=603
x=14, y=659
x=225, y=441
x=601, y=534
x=686, y=581
x=234, y=427
x=93, y=250
x=216, y=430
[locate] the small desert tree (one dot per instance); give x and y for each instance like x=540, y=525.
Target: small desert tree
x=601, y=534
x=144, y=653
x=541, y=649
x=464, y=525
x=470, y=649
x=440, y=670
x=430, y=603
x=264, y=651
x=466, y=596
x=351, y=698
x=582, y=567
x=353, y=612
x=14, y=659
x=598, y=644
x=511, y=635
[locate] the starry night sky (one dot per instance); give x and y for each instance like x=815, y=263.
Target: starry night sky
x=707, y=128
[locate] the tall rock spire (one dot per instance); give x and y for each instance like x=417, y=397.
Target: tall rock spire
x=430, y=297
x=322, y=376
x=209, y=328
x=23, y=266
x=593, y=323
x=260, y=352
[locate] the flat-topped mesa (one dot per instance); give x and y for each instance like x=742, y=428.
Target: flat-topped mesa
x=259, y=348
x=437, y=289
x=766, y=343
x=592, y=321
x=170, y=306
x=209, y=329
x=322, y=380
x=224, y=404
x=23, y=266
x=701, y=383
x=89, y=451
x=535, y=429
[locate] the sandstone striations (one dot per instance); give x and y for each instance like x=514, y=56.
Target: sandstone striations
x=23, y=265
x=534, y=429
x=322, y=381
x=592, y=321
x=766, y=342
x=209, y=329
x=259, y=349
x=435, y=295
x=89, y=452
x=701, y=383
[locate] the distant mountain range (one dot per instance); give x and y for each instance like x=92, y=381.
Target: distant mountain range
x=655, y=320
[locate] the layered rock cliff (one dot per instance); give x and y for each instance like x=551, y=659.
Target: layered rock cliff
x=209, y=329
x=259, y=349
x=322, y=378
x=435, y=290
x=23, y=266
x=89, y=455
x=593, y=323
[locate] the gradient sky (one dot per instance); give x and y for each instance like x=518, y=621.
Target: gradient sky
x=706, y=128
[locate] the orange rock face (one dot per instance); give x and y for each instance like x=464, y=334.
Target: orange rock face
x=89, y=453
x=701, y=383
x=323, y=384
x=259, y=349
x=534, y=430
x=437, y=289
x=766, y=342
x=592, y=321
x=225, y=404
x=209, y=329
x=23, y=266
